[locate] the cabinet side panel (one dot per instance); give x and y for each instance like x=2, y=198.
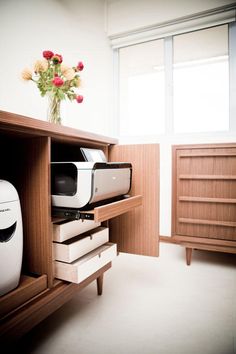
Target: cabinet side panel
x=36, y=207
x=137, y=231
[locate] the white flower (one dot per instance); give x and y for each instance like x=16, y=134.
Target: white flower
x=69, y=74
x=26, y=74
x=40, y=65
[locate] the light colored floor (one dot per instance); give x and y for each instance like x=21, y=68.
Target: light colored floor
x=149, y=306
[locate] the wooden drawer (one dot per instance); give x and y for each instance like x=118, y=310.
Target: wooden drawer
x=83, y=267
x=66, y=229
x=77, y=247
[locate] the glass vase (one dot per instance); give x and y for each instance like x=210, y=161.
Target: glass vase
x=54, y=109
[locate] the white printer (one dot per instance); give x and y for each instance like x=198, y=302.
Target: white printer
x=84, y=184
x=11, y=237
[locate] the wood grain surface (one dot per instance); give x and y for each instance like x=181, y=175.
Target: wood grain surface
x=138, y=230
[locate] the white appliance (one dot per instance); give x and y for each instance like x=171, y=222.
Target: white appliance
x=81, y=184
x=11, y=237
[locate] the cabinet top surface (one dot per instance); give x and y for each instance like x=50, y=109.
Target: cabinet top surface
x=19, y=124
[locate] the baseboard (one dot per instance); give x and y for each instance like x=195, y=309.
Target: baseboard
x=168, y=239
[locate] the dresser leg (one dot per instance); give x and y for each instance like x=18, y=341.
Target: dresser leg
x=100, y=284
x=189, y=252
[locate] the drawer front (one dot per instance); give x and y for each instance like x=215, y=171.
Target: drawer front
x=78, y=246
x=65, y=230
x=82, y=268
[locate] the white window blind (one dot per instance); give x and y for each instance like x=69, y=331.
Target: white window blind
x=142, y=89
x=201, y=20
x=201, y=81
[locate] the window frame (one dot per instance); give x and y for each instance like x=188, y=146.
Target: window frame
x=169, y=109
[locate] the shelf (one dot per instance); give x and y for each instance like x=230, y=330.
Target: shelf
x=108, y=211
x=49, y=301
x=29, y=286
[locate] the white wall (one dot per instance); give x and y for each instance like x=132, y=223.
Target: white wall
x=74, y=28
x=128, y=15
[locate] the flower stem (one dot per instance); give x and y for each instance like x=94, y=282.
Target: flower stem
x=54, y=110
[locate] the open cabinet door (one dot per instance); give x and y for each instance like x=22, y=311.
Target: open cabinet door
x=137, y=231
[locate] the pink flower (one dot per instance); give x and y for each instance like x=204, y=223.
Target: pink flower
x=80, y=66
x=47, y=54
x=79, y=98
x=57, y=81
x=57, y=58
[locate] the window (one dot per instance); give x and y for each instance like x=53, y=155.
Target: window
x=201, y=81
x=142, y=87
x=189, y=76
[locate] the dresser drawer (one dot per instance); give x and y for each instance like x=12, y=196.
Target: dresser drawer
x=65, y=229
x=77, y=247
x=83, y=267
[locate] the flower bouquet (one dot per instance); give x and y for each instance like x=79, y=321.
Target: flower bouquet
x=56, y=80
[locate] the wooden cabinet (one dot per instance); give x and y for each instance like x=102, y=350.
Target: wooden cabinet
x=27, y=148
x=204, y=197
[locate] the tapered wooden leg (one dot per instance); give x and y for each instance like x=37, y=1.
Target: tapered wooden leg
x=100, y=284
x=189, y=252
